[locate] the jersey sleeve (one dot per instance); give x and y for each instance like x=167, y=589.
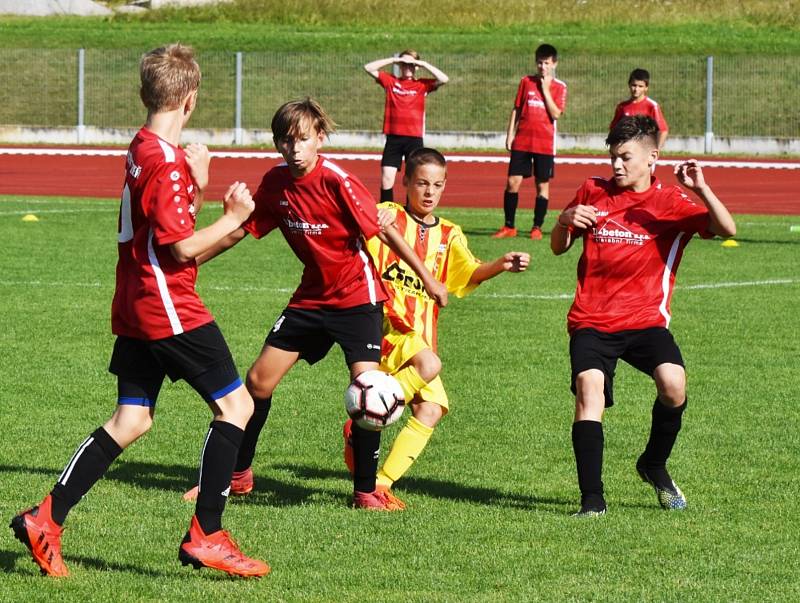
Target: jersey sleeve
x=169, y=202
x=360, y=205
x=385, y=80
x=560, y=96
x=461, y=265
x=659, y=117
x=520, y=98
x=618, y=113
x=375, y=247
x=430, y=84
x=690, y=216
x=261, y=221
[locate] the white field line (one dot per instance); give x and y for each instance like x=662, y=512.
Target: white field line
x=534, y=296
x=22, y=212
x=766, y=165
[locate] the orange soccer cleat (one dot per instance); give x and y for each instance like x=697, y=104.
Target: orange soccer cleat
x=347, y=433
x=241, y=485
x=536, y=234
x=379, y=499
x=36, y=529
x=505, y=233
x=218, y=551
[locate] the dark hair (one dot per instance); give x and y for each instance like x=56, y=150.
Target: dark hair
x=634, y=127
x=423, y=156
x=290, y=117
x=546, y=51
x=639, y=75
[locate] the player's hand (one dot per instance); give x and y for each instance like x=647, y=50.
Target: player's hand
x=547, y=78
x=516, y=261
x=386, y=219
x=198, y=160
x=579, y=216
x=238, y=201
x=438, y=292
x=690, y=175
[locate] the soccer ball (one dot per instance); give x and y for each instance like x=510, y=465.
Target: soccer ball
x=374, y=400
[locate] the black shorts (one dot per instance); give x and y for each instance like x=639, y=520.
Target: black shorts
x=200, y=357
x=357, y=330
x=543, y=166
x=398, y=148
x=643, y=349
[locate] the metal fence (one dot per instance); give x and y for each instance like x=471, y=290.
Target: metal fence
x=752, y=96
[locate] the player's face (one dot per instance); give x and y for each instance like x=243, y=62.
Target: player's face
x=545, y=66
x=631, y=162
x=407, y=70
x=424, y=188
x=638, y=89
x=300, y=149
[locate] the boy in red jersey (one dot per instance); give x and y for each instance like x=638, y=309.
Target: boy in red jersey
x=324, y=214
x=640, y=104
x=634, y=231
x=162, y=326
x=531, y=138
x=410, y=322
x=404, y=113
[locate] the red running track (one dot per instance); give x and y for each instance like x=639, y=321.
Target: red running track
x=469, y=184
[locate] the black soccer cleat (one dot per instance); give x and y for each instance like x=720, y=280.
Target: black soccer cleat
x=669, y=495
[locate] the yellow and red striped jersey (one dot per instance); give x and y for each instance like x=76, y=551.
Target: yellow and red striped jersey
x=443, y=248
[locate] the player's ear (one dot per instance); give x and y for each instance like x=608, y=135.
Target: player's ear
x=653, y=157
x=190, y=102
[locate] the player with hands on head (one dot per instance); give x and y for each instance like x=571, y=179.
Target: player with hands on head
x=410, y=324
x=634, y=232
x=404, y=110
x=162, y=327
x=325, y=214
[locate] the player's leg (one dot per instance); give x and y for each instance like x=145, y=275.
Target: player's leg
x=593, y=359
x=656, y=353
x=39, y=528
x=390, y=163
x=519, y=167
x=543, y=172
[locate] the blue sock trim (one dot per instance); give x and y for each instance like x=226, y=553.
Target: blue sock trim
x=128, y=401
x=221, y=393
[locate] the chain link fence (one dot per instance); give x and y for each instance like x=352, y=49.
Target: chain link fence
x=752, y=96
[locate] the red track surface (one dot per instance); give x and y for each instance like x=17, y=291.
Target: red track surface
x=744, y=190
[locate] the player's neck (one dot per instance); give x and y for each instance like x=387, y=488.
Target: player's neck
x=167, y=125
x=636, y=101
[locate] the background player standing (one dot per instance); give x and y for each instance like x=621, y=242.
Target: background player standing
x=641, y=104
x=404, y=111
x=162, y=326
x=531, y=138
x=411, y=317
x=634, y=231
x=324, y=214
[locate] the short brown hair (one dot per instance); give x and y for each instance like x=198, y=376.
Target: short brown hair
x=169, y=74
x=423, y=156
x=642, y=128
x=291, y=116
x=410, y=52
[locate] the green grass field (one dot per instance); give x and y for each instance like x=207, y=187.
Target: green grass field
x=488, y=502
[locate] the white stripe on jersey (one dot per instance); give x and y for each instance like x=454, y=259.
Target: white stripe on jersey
x=169, y=152
x=62, y=479
x=367, y=272
x=673, y=252
x=166, y=299
x=335, y=168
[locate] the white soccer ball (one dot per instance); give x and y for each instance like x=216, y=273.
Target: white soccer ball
x=374, y=400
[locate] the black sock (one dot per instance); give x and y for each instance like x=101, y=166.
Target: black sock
x=664, y=427
x=247, y=451
x=90, y=461
x=539, y=211
x=366, y=449
x=216, y=468
x=587, y=442
x=387, y=194
x=510, y=202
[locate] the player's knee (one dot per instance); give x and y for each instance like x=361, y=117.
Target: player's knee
x=513, y=184
x=258, y=385
x=671, y=384
x=428, y=413
x=589, y=382
x=236, y=407
x=428, y=366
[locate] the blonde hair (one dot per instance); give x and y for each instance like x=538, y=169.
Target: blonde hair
x=168, y=74
x=412, y=53
x=290, y=118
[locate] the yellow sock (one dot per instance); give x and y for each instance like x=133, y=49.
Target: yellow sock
x=410, y=381
x=408, y=445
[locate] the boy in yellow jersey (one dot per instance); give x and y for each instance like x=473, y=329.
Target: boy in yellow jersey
x=410, y=315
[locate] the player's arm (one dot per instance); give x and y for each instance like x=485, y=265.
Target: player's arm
x=392, y=238
x=690, y=175
x=513, y=261
x=374, y=67
x=511, y=132
x=552, y=108
x=237, y=207
x=441, y=76
x=198, y=161
x=573, y=218
x=221, y=246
